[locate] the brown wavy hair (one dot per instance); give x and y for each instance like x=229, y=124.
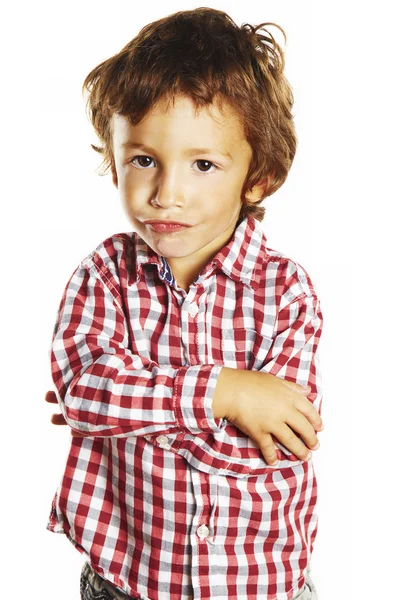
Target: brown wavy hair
x=205, y=56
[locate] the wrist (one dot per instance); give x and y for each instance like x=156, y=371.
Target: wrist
x=226, y=393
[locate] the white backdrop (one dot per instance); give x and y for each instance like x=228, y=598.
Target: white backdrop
x=335, y=215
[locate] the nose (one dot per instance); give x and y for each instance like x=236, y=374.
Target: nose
x=169, y=189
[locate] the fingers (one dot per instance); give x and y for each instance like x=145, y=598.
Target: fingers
x=78, y=434
x=307, y=409
x=303, y=404
x=268, y=449
x=51, y=397
x=288, y=437
x=300, y=426
x=58, y=419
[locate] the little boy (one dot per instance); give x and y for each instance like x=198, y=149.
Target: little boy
x=182, y=350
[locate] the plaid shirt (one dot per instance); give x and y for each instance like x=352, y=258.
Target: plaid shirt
x=166, y=501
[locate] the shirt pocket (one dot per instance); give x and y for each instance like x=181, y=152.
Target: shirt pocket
x=244, y=348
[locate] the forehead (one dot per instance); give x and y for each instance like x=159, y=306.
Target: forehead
x=180, y=119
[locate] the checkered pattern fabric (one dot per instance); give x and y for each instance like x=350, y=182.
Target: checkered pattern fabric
x=166, y=501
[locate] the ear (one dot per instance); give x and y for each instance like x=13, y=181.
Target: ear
x=114, y=174
x=259, y=190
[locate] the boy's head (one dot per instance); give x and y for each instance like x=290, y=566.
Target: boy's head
x=193, y=80
x=205, y=56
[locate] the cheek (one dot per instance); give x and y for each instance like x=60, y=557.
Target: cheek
x=132, y=194
x=128, y=186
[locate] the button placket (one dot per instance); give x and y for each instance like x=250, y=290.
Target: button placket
x=214, y=497
x=193, y=309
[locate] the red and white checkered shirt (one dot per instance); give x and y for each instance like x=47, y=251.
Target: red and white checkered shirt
x=167, y=502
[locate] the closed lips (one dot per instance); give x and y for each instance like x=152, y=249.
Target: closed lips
x=167, y=223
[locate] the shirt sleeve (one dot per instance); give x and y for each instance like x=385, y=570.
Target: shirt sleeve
x=103, y=388
x=293, y=354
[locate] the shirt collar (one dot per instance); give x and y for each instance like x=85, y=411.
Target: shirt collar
x=240, y=259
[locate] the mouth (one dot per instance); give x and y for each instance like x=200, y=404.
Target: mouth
x=166, y=226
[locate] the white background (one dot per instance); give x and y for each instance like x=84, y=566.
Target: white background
x=335, y=215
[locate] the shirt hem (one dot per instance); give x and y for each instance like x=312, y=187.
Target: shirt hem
x=139, y=596
x=99, y=570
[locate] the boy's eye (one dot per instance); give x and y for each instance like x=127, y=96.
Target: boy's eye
x=207, y=163
x=142, y=158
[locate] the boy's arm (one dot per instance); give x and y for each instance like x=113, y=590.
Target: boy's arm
x=293, y=354
x=104, y=389
x=261, y=409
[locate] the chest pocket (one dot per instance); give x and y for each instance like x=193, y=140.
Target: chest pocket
x=244, y=348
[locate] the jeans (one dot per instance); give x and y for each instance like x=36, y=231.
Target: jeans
x=94, y=587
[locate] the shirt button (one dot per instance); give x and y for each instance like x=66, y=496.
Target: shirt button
x=193, y=309
x=163, y=441
x=203, y=532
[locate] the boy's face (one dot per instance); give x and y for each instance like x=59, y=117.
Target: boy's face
x=169, y=180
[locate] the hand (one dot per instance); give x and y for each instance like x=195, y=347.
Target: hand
x=266, y=405
x=58, y=418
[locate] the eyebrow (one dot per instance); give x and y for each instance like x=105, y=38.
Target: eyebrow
x=188, y=151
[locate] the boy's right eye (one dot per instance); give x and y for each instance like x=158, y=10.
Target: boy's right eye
x=141, y=157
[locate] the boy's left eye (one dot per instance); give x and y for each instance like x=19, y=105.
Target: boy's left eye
x=208, y=162
x=141, y=166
